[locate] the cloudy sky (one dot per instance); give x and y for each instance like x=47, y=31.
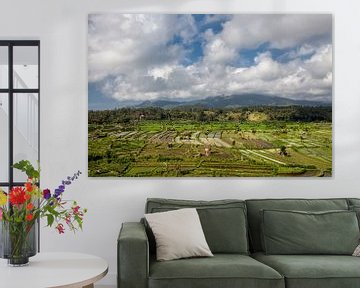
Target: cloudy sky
x=138, y=57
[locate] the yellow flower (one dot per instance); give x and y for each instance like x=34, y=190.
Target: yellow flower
x=3, y=198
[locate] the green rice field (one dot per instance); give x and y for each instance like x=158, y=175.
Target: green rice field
x=164, y=148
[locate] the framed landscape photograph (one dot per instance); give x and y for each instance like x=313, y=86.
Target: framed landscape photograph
x=210, y=95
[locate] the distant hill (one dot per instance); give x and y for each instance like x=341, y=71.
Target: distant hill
x=161, y=103
x=243, y=100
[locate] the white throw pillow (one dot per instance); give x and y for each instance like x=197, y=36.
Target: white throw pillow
x=178, y=234
x=357, y=251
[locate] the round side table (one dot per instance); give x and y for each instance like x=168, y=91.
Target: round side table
x=50, y=270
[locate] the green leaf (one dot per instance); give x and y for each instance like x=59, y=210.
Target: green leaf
x=50, y=219
x=79, y=221
x=52, y=211
x=26, y=167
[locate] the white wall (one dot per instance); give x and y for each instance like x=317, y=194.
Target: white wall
x=62, y=28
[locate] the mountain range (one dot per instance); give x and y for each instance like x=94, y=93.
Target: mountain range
x=242, y=100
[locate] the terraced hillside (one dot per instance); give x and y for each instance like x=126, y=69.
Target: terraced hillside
x=223, y=148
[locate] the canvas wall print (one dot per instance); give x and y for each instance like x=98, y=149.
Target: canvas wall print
x=210, y=95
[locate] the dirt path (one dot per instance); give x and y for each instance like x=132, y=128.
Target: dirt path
x=265, y=157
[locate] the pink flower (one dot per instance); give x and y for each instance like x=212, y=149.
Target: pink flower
x=60, y=228
x=1, y=213
x=76, y=210
x=68, y=219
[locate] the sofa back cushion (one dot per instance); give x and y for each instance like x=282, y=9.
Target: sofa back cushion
x=298, y=232
x=354, y=205
x=223, y=221
x=353, y=201
x=255, y=206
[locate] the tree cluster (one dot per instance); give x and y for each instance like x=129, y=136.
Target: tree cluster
x=200, y=114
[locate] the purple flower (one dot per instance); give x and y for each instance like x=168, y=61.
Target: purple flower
x=64, y=183
x=46, y=194
x=58, y=192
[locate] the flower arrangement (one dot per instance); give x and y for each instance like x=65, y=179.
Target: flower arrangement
x=22, y=206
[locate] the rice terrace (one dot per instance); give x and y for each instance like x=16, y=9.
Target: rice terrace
x=210, y=95
x=234, y=142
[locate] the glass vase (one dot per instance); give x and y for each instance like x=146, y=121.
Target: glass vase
x=18, y=242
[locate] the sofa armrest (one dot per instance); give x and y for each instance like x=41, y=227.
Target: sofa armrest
x=133, y=256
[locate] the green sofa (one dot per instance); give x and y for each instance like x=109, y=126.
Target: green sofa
x=233, y=230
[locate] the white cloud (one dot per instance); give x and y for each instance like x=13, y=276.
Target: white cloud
x=119, y=43
x=320, y=64
x=281, y=31
x=217, y=51
x=294, y=79
x=140, y=57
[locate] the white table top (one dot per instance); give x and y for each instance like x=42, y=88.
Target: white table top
x=45, y=270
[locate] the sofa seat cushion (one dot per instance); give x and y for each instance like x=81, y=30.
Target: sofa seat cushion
x=313, y=271
x=222, y=270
